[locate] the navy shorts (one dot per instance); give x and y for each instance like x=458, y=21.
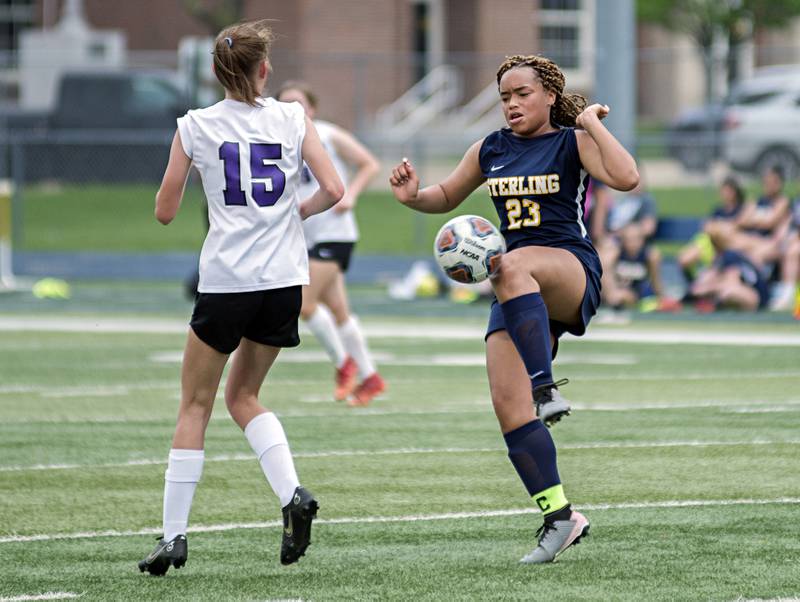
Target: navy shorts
x=268, y=317
x=340, y=252
x=643, y=289
x=749, y=274
x=589, y=304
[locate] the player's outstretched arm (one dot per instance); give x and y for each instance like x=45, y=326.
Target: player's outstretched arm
x=330, y=188
x=169, y=195
x=601, y=154
x=358, y=156
x=442, y=197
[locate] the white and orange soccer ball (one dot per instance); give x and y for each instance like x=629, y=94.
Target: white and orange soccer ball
x=468, y=248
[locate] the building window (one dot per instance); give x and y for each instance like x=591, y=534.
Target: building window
x=15, y=15
x=563, y=31
x=560, y=44
x=560, y=4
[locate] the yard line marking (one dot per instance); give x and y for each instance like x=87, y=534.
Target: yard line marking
x=692, y=337
x=89, y=389
x=45, y=596
x=478, y=406
x=766, y=410
x=55, y=391
x=690, y=376
x=346, y=453
x=391, y=330
x=119, y=390
x=358, y=520
x=385, y=358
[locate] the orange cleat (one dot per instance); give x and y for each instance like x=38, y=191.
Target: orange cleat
x=367, y=391
x=345, y=379
x=669, y=305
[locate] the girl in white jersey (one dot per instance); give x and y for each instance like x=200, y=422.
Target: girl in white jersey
x=249, y=152
x=330, y=237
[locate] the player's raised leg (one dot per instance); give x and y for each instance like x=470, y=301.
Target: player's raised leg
x=531, y=450
x=530, y=282
x=200, y=376
x=268, y=440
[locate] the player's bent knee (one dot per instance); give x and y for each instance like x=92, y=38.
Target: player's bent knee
x=515, y=273
x=510, y=264
x=197, y=406
x=239, y=400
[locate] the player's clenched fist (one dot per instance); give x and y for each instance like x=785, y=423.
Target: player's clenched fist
x=404, y=181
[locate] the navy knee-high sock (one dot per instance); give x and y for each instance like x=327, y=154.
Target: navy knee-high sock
x=533, y=453
x=528, y=326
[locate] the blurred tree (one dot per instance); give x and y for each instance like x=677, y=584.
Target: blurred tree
x=708, y=21
x=215, y=14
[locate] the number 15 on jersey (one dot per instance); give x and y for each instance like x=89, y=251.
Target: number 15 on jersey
x=268, y=180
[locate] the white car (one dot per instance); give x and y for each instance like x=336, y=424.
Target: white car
x=765, y=131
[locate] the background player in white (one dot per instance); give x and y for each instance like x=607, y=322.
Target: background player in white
x=249, y=152
x=330, y=237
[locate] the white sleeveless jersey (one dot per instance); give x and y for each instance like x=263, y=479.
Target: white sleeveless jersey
x=249, y=159
x=330, y=225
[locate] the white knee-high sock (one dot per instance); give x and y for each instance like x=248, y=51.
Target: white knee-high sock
x=356, y=346
x=322, y=325
x=266, y=437
x=183, y=473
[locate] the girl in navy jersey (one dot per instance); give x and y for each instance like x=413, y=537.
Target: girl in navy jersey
x=700, y=251
x=249, y=152
x=536, y=171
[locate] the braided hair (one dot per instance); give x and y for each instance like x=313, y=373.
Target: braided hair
x=238, y=50
x=567, y=107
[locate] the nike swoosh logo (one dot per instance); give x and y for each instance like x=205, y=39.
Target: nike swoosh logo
x=155, y=554
x=496, y=167
x=532, y=376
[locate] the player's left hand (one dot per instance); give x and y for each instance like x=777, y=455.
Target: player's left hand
x=592, y=111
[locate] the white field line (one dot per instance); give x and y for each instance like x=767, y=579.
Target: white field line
x=246, y=457
x=702, y=376
x=475, y=406
x=359, y=520
x=103, y=324
x=45, y=596
x=123, y=389
x=764, y=410
x=385, y=358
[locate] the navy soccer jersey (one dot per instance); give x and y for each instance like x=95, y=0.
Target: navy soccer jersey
x=538, y=187
x=721, y=212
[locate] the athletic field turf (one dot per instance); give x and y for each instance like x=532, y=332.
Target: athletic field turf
x=683, y=451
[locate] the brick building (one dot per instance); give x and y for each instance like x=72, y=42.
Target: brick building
x=363, y=54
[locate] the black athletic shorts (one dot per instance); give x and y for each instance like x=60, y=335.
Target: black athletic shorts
x=267, y=317
x=340, y=252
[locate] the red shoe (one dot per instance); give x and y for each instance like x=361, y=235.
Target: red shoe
x=367, y=391
x=669, y=305
x=345, y=379
x=705, y=306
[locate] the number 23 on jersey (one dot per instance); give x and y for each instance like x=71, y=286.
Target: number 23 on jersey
x=522, y=213
x=268, y=180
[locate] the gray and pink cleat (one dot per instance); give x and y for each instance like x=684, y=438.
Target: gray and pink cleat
x=557, y=536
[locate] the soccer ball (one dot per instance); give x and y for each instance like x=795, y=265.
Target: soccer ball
x=468, y=249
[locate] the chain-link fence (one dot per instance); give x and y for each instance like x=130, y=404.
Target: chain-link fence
x=435, y=119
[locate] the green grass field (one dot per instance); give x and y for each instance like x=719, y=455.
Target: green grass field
x=99, y=218
x=684, y=457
